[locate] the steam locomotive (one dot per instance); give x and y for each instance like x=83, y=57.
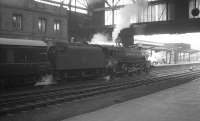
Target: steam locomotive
x=74, y=59
x=25, y=60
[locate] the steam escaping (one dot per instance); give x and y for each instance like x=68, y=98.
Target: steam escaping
x=127, y=13
x=46, y=80
x=101, y=39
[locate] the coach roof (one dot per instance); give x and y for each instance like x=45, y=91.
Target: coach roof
x=22, y=42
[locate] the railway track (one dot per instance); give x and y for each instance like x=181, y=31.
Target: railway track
x=30, y=100
x=76, y=86
x=12, y=96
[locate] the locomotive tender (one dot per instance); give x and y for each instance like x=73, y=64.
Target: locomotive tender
x=34, y=58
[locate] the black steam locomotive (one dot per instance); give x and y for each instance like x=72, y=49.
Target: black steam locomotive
x=25, y=59
x=70, y=60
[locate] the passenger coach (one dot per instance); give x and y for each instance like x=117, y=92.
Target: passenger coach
x=21, y=61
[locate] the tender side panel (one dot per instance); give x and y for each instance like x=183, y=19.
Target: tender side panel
x=80, y=57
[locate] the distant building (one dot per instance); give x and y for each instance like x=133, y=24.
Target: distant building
x=28, y=19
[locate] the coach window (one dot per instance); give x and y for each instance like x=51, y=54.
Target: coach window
x=56, y=26
x=42, y=24
x=17, y=21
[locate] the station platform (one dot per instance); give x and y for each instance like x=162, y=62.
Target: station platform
x=180, y=103
x=189, y=63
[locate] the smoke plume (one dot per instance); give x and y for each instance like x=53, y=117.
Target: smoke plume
x=126, y=13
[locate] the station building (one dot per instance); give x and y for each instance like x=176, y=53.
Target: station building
x=29, y=19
